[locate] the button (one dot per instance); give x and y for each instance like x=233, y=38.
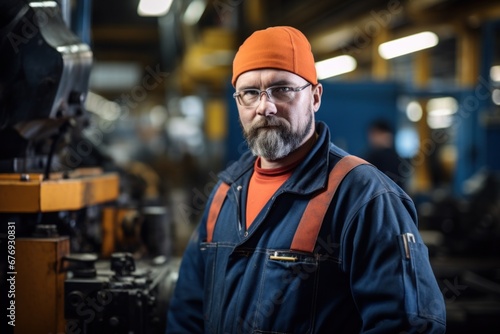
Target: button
x=246, y=234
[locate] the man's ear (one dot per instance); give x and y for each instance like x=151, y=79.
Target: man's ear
x=317, y=93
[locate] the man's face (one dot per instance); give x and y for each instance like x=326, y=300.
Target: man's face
x=274, y=130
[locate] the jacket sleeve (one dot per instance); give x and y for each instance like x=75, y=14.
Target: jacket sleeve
x=185, y=313
x=391, y=278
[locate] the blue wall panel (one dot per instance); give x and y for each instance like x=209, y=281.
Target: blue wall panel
x=349, y=108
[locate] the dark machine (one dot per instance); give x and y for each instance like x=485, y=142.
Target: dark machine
x=466, y=257
x=85, y=260
x=119, y=295
x=45, y=72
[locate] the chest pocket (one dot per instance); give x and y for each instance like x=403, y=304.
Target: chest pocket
x=287, y=293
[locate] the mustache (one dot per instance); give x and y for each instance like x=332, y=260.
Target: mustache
x=268, y=122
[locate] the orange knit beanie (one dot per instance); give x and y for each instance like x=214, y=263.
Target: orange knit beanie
x=283, y=48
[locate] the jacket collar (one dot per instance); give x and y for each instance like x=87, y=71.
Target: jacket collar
x=309, y=176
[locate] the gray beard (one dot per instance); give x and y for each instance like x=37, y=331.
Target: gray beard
x=275, y=143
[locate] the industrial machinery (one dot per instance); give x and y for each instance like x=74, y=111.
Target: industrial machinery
x=119, y=295
x=465, y=255
x=75, y=253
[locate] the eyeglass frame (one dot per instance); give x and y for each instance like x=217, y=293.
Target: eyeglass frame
x=236, y=95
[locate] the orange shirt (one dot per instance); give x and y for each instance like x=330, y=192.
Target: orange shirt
x=263, y=184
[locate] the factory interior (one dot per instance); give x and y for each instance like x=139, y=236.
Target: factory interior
x=116, y=117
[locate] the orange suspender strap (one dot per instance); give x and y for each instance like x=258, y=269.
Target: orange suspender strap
x=312, y=218
x=213, y=214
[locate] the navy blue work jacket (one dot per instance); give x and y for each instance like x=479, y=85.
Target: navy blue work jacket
x=365, y=274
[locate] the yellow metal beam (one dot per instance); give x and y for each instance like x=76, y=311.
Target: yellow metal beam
x=422, y=180
x=37, y=195
x=380, y=66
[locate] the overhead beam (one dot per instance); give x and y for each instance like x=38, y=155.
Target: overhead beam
x=126, y=33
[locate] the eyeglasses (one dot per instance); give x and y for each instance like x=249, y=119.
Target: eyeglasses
x=276, y=94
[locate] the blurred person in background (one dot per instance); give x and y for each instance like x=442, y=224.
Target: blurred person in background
x=382, y=152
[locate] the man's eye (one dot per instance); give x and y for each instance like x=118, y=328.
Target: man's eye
x=250, y=93
x=282, y=90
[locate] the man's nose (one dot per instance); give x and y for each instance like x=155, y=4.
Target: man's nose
x=266, y=106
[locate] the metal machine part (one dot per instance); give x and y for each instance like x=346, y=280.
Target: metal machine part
x=44, y=77
x=121, y=296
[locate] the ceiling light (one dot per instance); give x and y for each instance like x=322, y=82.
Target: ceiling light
x=335, y=66
x=193, y=12
x=153, y=7
x=115, y=76
x=43, y=4
x=440, y=112
x=440, y=105
x=407, y=142
x=495, y=96
x=408, y=44
x=495, y=73
x=414, y=111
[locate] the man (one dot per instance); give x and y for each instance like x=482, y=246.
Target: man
x=382, y=153
x=251, y=267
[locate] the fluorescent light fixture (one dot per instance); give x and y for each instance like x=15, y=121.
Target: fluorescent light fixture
x=335, y=66
x=439, y=121
x=408, y=44
x=414, y=111
x=407, y=142
x=115, y=76
x=495, y=97
x=442, y=105
x=153, y=7
x=495, y=73
x=43, y=4
x=440, y=112
x=193, y=12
